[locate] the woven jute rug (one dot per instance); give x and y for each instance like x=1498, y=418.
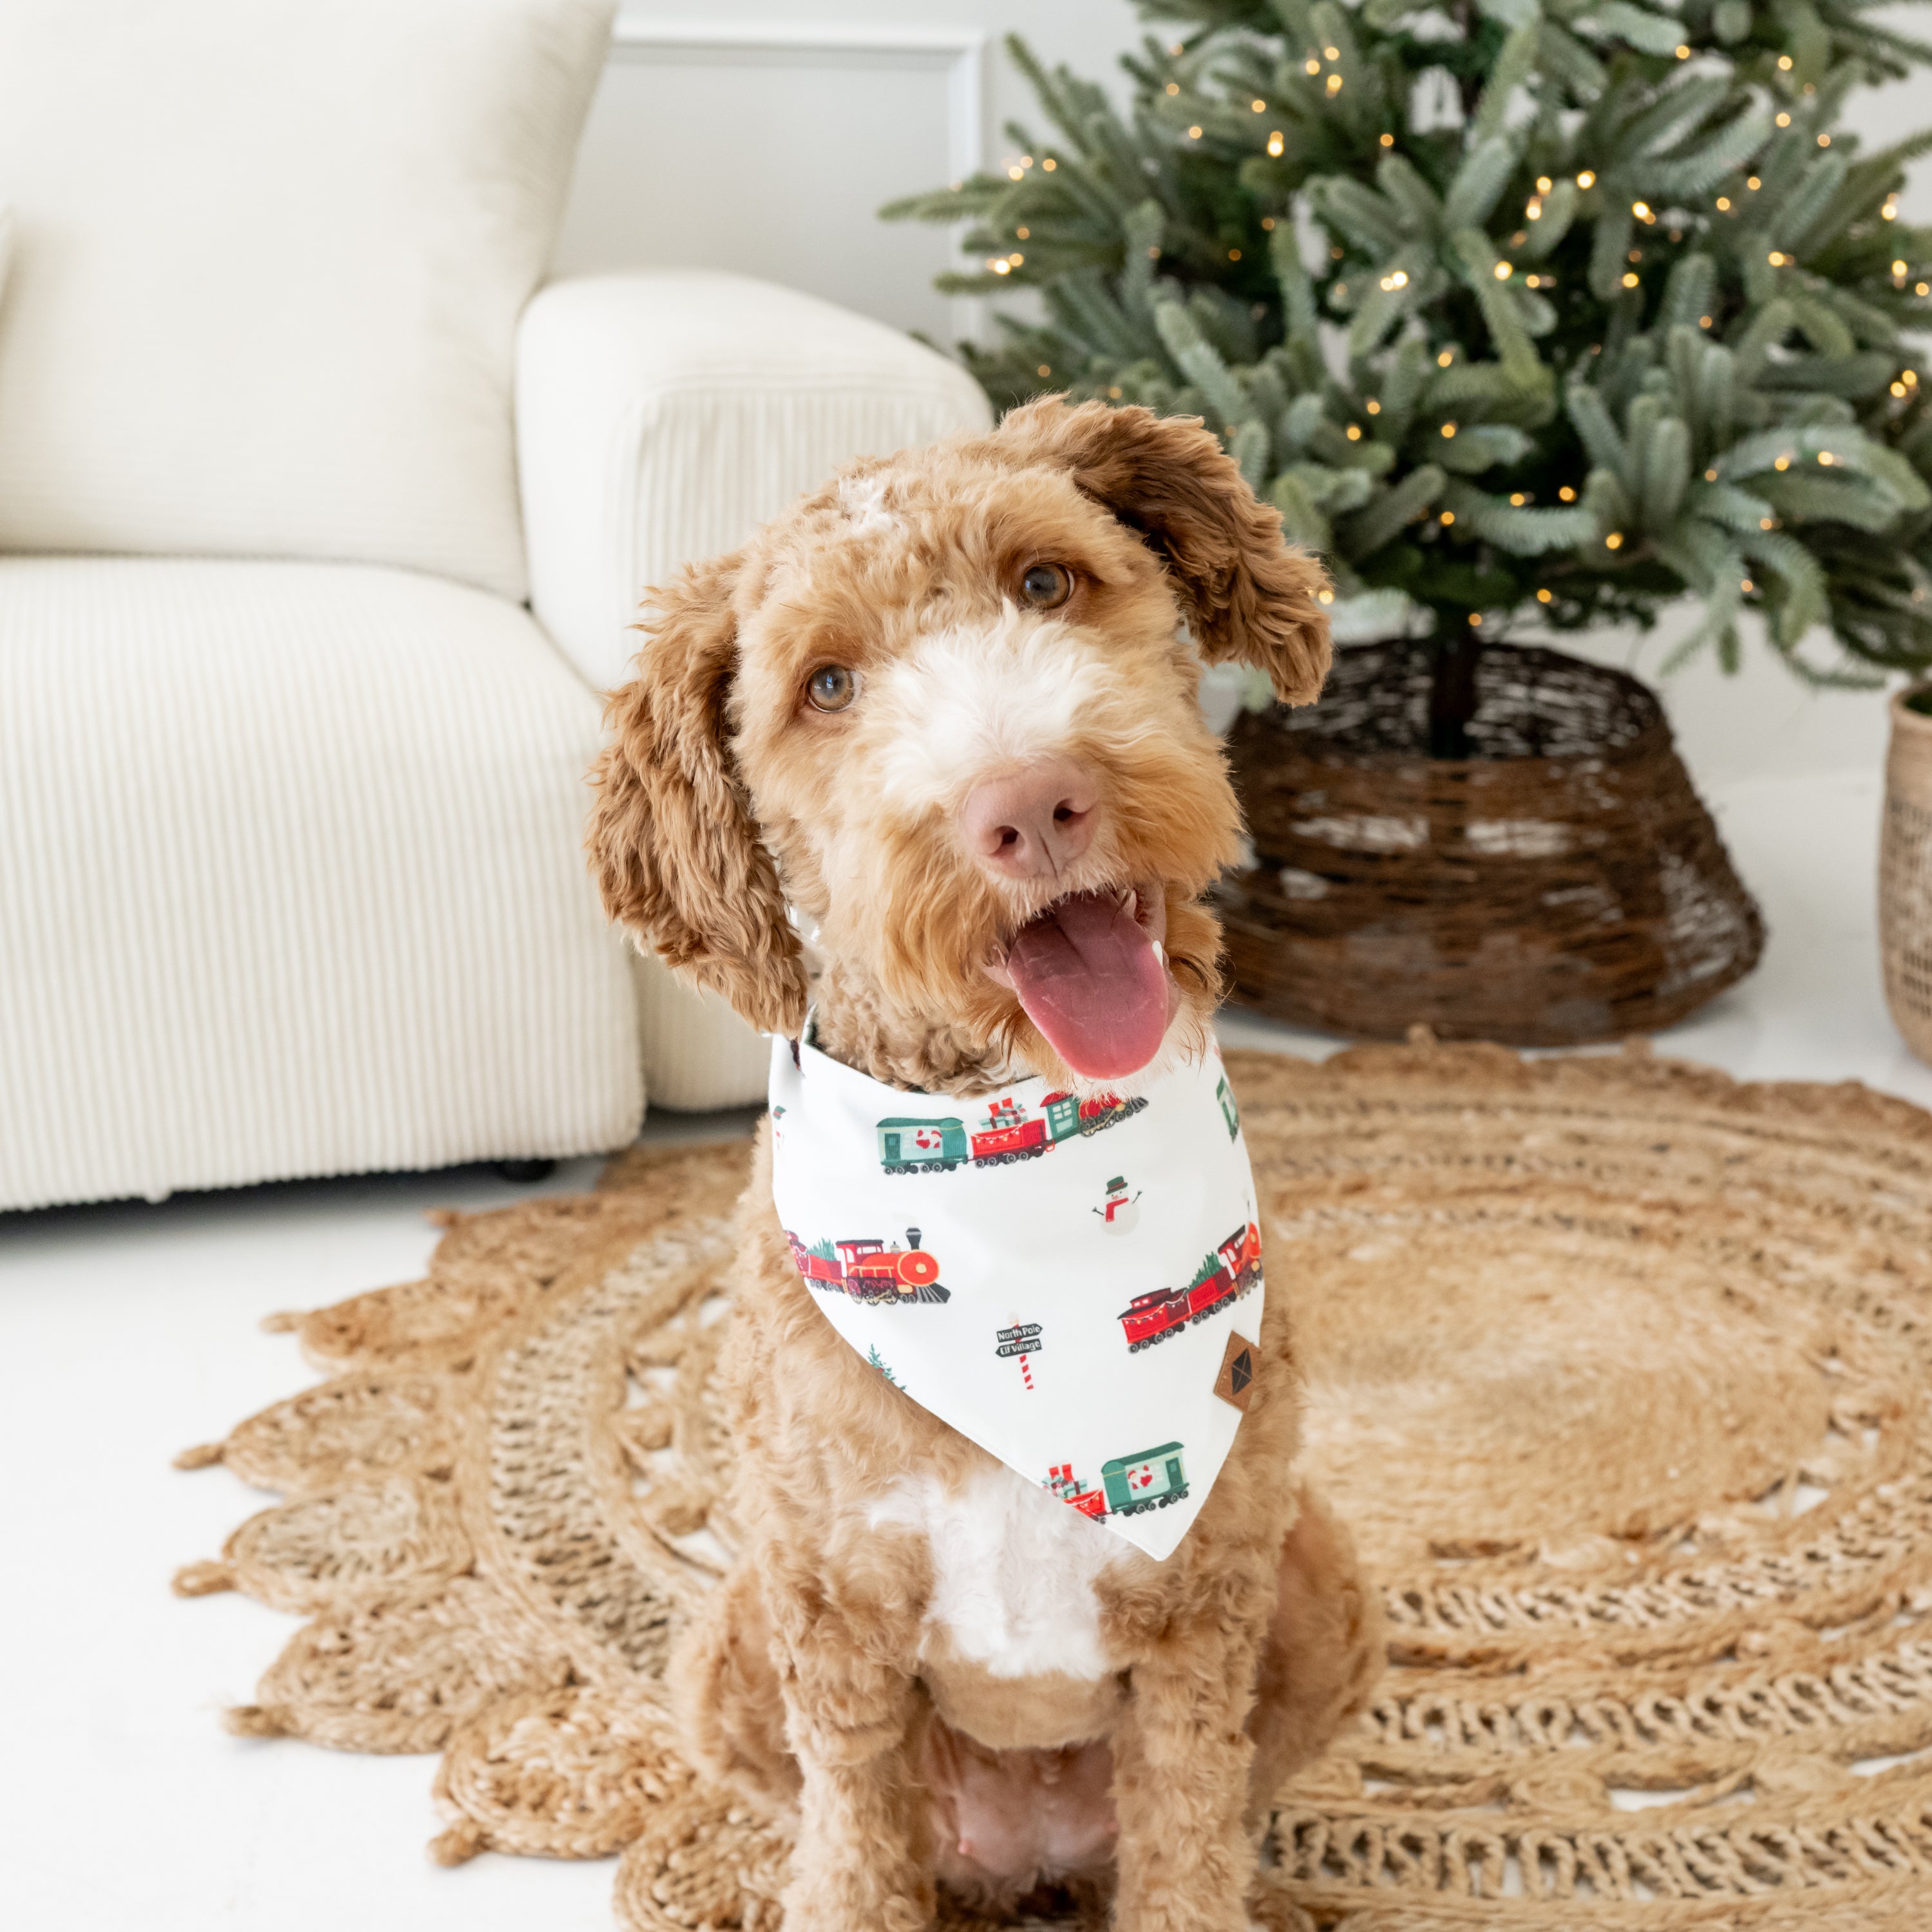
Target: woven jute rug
x=1621, y=1372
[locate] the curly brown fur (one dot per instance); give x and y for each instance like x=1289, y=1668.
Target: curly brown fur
x=1248, y=596
x=678, y=859
x=825, y=1683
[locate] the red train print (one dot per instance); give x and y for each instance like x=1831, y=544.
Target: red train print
x=1241, y=1255
x=1007, y=1136
x=1225, y=1275
x=869, y=1270
x=909, y=1144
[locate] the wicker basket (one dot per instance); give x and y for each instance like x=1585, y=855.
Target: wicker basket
x=1905, y=874
x=1565, y=885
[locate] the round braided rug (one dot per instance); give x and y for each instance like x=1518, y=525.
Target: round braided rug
x=1620, y=1371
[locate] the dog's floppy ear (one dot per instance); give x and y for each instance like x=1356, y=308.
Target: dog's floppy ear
x=677, y=858
x=1249, y=596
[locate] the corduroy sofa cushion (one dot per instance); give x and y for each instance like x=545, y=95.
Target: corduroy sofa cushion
x=293, y=881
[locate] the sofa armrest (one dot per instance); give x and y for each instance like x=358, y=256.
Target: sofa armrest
x=662, y=416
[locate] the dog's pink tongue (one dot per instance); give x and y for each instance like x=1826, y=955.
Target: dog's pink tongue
x=1090, y=980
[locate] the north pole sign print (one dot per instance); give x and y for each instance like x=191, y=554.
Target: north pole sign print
x=1021, y=1339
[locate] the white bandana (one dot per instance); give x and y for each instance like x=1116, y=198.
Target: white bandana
x=1075, y=1285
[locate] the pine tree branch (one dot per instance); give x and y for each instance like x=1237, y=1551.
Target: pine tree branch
x=1616, y=278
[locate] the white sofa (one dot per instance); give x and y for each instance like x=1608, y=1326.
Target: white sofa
x=320, y=536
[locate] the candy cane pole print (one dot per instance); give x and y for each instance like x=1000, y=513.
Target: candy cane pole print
x=1021, y=1339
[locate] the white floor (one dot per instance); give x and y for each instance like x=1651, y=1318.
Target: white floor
x=128, y=1332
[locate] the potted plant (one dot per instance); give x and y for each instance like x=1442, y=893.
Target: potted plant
x=1519, y=314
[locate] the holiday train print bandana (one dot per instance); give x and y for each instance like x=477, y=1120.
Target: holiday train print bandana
x=1076, y=1285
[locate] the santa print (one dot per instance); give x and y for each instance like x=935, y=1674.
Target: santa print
x=1152, y=1479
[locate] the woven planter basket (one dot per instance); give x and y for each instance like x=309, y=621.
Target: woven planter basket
x=1565, y=886
x=1905, y=874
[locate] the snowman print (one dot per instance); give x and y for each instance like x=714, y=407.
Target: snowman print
x=1121, y=1210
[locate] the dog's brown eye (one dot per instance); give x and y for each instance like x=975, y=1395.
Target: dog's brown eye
x=1045, y=585
x=831, y=687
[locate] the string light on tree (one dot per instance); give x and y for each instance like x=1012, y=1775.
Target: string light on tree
x=1482, y=366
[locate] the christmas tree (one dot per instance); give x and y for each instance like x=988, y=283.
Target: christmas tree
x=1560, y=308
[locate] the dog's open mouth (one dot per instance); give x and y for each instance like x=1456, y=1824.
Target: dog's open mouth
x=1091, y=974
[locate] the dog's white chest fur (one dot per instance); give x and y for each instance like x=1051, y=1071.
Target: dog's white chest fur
x=1013, y=1572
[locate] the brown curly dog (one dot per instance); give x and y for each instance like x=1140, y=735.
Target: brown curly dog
x=945, y=708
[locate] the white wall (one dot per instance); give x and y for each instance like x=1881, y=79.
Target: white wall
x=762, y=137
x=752, y=135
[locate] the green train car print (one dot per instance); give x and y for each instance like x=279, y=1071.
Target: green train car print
x=1151, y=1480
x=906, y=1146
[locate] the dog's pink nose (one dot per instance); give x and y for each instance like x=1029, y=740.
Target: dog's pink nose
x=1031, y=824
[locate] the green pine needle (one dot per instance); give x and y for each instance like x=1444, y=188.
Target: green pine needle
x=1600, y=334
